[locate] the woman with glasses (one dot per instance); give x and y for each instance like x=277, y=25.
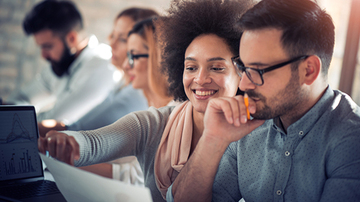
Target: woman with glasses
x=198, y=41
x=143, y=66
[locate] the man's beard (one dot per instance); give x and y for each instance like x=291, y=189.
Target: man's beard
x=62, y=66
x=286, y=102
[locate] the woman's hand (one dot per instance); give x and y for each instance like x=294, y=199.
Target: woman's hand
x=60, y=146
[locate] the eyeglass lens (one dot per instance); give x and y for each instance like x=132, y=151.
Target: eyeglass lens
x=131, y=59
x=253, y=75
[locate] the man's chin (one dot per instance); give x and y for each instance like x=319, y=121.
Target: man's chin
x=57, y=71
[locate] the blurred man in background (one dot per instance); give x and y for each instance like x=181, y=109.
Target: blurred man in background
x=81, y=74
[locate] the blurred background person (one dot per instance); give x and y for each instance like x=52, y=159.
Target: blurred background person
x=81, y=74
x=122, y=100
x=143, y=64
x=144, y=70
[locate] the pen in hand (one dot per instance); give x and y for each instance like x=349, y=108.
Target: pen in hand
x=246, y=100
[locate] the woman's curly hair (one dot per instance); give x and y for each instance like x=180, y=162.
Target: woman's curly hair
x=188, y=19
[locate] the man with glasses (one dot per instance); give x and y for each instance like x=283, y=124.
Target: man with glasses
x=302, y=142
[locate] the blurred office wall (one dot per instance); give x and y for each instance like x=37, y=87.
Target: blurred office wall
x=20, y=58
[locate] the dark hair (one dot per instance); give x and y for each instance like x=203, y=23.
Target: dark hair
x=189, y=19
x=307, y=29
x=137, y=14
x=139, y=27
x=59, y=16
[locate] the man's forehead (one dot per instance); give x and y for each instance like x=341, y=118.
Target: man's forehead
x=261, y=45
x=45, y=36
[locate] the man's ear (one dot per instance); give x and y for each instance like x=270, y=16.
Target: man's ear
x=72, y=39
x=310, y=69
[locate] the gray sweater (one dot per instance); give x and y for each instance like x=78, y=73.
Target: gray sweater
x=136, y=134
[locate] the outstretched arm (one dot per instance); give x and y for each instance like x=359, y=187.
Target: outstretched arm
x=225, y=121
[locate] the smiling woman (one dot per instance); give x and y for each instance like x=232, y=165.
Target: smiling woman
x=208, y=71
x=198, y=40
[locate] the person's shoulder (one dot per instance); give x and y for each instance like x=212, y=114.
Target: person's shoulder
x=341, y=121
x=344, y=111
x=165, y=111
x=152, y=113
x=95, y=52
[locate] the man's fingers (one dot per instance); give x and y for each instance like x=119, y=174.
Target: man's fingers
x=221, y=105
x=233, y=108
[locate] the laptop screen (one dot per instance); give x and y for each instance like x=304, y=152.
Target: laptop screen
x=18, y=143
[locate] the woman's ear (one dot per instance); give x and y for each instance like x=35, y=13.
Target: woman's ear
x=310, y=69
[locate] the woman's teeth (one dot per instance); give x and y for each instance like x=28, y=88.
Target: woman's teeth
x=204, y=93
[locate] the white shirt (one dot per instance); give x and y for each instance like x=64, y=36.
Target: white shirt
x=89, y=81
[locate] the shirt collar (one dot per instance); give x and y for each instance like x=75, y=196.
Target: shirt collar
x=302, y=126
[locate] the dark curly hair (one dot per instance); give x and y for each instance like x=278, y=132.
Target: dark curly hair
x=188, y=19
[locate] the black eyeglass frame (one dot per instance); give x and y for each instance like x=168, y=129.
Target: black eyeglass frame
x=131, y=57
x=239, y=65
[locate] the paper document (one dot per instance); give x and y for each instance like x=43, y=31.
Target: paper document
x=80, y=185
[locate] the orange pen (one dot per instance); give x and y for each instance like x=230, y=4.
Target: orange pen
x=246, y=100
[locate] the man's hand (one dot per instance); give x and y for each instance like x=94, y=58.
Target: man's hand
x=226, y=119
x=60, y=146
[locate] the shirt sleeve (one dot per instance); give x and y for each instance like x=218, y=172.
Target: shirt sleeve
x=132, y=135
x=115, y=106
x=343, y=170
x=226, y=186
x=38, y=92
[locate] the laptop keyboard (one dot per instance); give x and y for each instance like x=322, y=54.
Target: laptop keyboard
x=30, y=189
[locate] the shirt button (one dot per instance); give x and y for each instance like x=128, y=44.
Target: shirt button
x=287, y=153
x=278, y=192
x=301, y=133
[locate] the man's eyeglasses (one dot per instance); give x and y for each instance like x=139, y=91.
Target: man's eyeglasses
x=131, y=57
x=256, y=75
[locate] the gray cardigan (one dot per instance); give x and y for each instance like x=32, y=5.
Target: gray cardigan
x=136, y=134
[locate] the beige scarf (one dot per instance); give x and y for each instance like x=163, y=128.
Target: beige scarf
x=174, y=147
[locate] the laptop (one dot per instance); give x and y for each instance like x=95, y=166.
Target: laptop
x=21, y=168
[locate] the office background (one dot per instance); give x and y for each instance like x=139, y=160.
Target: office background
x=20, y=58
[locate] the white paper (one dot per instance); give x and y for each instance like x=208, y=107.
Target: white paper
x=79, y=185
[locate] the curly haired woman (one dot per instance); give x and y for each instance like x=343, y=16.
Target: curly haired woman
x=199, y=40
